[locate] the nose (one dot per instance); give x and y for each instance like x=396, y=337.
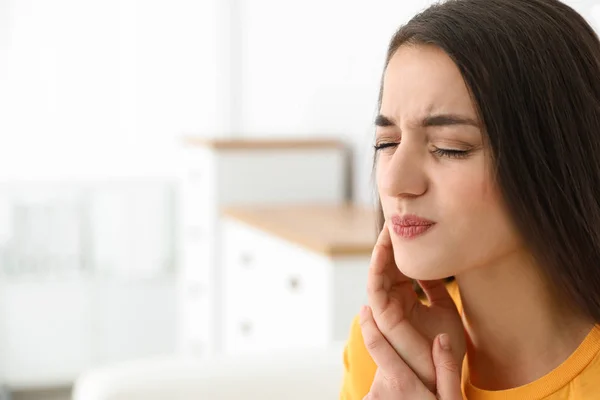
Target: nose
x=403, y=173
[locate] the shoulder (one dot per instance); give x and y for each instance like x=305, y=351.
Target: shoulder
x=587, y=383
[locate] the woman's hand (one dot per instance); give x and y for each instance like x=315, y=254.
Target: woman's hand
x=395, y=380
x=408, y=325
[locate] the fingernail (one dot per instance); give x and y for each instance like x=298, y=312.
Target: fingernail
x=445, y=342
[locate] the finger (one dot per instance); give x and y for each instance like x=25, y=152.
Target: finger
x=381, y=258
x=385, y=284
x=413, y=348
x=447, y=369
x=389, y=363
x=384, y=277
x=437, y=294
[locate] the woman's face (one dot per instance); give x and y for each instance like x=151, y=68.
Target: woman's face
x=444, y=212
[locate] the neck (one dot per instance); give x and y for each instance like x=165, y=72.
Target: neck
x=518, y=331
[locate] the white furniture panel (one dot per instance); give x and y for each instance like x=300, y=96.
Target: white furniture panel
x=287, y=296
x=220, y=173
x=282, y=176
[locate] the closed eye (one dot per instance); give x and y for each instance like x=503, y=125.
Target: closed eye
x=451, y=153
x=381, y=146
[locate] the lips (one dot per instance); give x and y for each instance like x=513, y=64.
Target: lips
x=410, y=226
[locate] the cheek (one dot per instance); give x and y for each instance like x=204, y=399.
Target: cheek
x=473, y=230
x=479, y=220
x=382, y=180
x=465, y=192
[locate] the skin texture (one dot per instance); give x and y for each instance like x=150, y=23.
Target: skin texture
x=432, y=162
x=401, y=334
x=456, y=191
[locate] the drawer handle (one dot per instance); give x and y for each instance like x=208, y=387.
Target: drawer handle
x=294, y=284
x=246, y=260
x=246, y=328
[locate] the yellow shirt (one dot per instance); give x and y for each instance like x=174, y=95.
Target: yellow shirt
x=577, y=378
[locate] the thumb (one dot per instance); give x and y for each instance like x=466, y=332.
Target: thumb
x=447, y=369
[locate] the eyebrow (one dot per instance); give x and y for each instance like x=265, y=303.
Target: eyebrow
x=431, y=120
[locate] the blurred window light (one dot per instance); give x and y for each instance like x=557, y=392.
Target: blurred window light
x=121, y=229
x=595, y=11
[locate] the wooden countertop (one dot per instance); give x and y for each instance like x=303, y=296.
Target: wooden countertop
x=332, y=230
x=261, y=143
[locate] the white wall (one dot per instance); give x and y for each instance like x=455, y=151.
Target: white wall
x=313, y=68
x=104, y=88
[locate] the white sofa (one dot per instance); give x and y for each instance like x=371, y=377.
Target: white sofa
x=314, y=374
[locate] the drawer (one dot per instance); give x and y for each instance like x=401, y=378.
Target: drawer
x=197, y=343
x=199, y=232
x=197, y=258
x=299, y=287
x=198, y=205
x=240, y=333
x=196, y=322
x=245, y=260
x=288, y=297
x=196, y=315
x=197, y=201
x=277, y=294
x=246, y=331
x=247, y=293
x=195, y=310
x=196, y=293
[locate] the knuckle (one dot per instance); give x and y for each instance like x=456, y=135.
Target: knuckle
x=448, y=365
x=390, y=318
x=372, y=343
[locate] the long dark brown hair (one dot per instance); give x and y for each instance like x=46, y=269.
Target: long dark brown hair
x=533, y=71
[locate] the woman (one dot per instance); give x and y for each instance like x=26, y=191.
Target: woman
x=488, y=169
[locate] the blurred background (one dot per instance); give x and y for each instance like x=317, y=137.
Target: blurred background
x=148, y=149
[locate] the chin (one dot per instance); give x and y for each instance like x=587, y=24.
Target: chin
x=426, y=271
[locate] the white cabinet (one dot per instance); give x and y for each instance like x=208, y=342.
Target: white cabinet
x=219, y=173
x=296, y=280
